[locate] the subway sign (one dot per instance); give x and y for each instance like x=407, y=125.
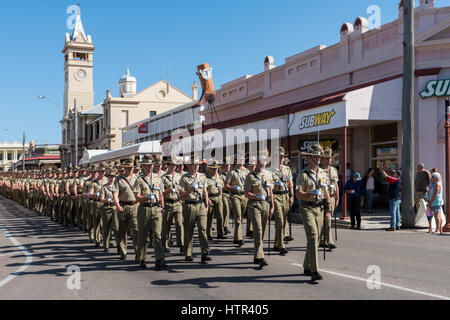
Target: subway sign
x=316, y=120
x=436, y=88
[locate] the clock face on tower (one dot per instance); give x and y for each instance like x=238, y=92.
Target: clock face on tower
x=80, y=75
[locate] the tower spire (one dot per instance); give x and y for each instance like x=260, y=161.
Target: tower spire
x=78, y=30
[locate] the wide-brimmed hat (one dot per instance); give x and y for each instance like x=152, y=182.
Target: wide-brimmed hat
x=315, y=151
x=327, y=153
x=157, y=159
x=147, y=159
x=214, y=164
x=127, y=164
x=282, y=152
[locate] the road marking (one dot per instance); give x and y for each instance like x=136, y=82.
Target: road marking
x=381, y=284
x=27, y=253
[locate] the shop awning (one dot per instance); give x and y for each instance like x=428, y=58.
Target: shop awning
x=380, y=102
x=88, y=154
x=150, y=147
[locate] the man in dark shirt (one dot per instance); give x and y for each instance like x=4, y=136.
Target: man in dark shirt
x=354, y=188
x=395, y=200
x=421, y=184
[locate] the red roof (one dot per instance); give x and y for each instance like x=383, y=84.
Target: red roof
x=49, y=157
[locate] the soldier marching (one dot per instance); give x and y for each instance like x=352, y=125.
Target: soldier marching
x=145, y=200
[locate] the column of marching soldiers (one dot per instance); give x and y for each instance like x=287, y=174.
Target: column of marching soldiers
x=144, y=199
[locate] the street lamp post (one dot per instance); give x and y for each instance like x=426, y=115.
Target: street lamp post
x=447, y=165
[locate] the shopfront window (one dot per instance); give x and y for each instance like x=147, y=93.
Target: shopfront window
x=384, y=147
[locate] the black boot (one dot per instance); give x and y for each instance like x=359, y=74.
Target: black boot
x=316, y=276
x=205, y=258
x=160, y=264
x=142, y=265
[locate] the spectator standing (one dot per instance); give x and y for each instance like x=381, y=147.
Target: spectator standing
x=369, y=185
x=354, y=188
x=435, y=200
x=421, y=183
x=394, y=197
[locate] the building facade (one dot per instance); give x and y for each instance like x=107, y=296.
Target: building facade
x=349, y=95
x=9, y=154
x=99, y=125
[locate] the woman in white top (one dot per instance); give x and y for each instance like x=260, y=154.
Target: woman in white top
x=369, y=185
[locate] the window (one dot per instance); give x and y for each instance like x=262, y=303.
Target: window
x=1, y=156
x=152, y=114
x=10, y=156
x=80, y=56
x=124, y=119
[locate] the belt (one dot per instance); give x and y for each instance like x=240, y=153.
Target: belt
x=214, y=195
x=193, y=202
x=108, y=204
x=170, y=201
x=150, y=205
x=226, y=192
x=240, y=193
x=258, y=201
x=124, y=203
x=312, y=204
x=281, y=192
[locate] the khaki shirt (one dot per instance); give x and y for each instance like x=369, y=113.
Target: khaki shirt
x=78, y=181
x=62, y=186
x=171, y=182
x=306, y=184
x=281, y=178
x=189, y=180
x=148, y=186
x=96, y=185
x=126, y=193
x=332, y=180
x=237, y=178
x=214, y=185
x=107, y=192
x=87, y=186
x=259, y=183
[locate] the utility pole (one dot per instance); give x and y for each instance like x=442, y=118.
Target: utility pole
x=76, y=131
x=446, y=228
x=23, y=153
x=408, y=213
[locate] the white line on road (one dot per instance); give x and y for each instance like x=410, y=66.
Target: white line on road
x=27, y=253
x=381, y=284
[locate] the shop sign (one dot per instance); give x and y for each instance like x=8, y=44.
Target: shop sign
x=316, y=120
x=436, y=88
x=319, y=119
x=304, y=145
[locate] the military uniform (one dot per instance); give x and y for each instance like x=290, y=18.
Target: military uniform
x=150, y=215
x=236, y=179
x=225, y=204
x=332, y=180
x=260, y=184
x=214, y=188
x=194, y=213
x=87, y=204
x=128, y=217
x=109, y=215
x=174, y=209
x=95, y=188
x=312, y=213
x=282, y=178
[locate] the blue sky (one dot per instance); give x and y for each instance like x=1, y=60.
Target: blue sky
x=234, y=36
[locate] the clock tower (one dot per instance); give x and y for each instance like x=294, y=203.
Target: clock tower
x=78, y=69
x=78, y=85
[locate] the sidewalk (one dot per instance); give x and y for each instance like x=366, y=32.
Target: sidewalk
x=379, y=220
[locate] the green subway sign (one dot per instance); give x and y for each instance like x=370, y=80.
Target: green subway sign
x=436, y=88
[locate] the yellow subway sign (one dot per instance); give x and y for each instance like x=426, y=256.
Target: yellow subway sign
x=317, y=120
x=436, y=88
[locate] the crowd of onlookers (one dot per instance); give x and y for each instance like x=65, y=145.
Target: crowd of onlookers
x=361, y=192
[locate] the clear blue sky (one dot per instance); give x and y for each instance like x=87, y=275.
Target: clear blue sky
x=234, y=36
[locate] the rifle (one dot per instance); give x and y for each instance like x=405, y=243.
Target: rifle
x=269, y=231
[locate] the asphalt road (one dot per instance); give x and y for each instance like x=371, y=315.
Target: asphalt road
x=35, y=254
